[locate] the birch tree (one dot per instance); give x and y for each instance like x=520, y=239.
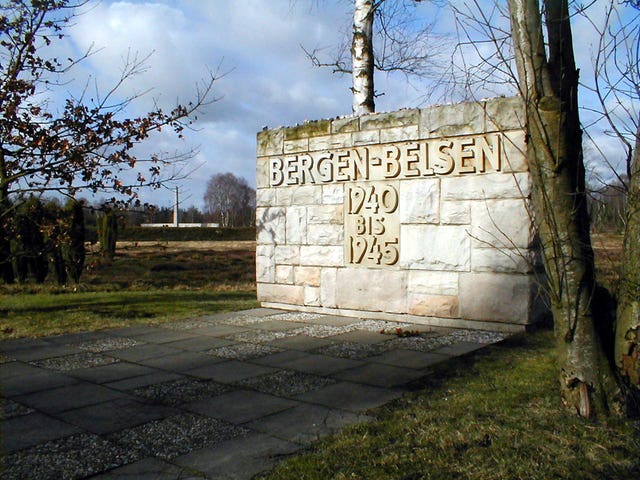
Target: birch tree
x=362, y=57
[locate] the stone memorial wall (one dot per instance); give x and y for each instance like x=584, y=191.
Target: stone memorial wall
x=416, y=215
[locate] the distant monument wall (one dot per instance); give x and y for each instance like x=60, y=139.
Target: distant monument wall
x=416, y=215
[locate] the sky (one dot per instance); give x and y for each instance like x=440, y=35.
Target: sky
x=255, y=46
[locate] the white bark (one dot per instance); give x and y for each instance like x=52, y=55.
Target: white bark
x=362, y=57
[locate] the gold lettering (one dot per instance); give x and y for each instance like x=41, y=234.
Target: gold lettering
x=464, y=157
x=342, y=166
x=360, y=164
x=324, y=167
x=412, y=160
x=443, y=163
x=489, y=154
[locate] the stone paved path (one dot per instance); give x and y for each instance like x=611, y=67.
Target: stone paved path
x=223, y=396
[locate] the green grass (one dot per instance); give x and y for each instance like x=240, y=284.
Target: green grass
x=139, y=286
x=496, y=416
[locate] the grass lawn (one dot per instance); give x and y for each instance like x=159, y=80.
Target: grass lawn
x=149, y=282
x=494, y=416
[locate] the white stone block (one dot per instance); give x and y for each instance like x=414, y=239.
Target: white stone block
x=399, y=134
x=456, y=212
x=262, y=173
x=284, y=274
x=327, y=214
x=290, y=294
x=481, y=187
x=330, y=142
x=287, y=255
x=400, y=118
x=265, y=271
x=430, y=247
x=367, y=137
x=449, y=120
x=432, y=283
x=328, y=256
x=323, y=234
x=270, y=142
x=505, y=260
x=514, y=152
x=270, y=225
x=296, y=228
x=495, y=297
x=328, y=279
x=308, y=276
x=371, y=290
x=312, y=296
x=501, y=224
x=296, y=146
x=419, y=201
x=333, y=194
x=445, y=306
x=265, y=197
x=505, y=114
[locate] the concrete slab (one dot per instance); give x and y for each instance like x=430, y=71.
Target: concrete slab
x=115, y=415
x=362, y=336
x=28, y=430
x=112, y=372
x=409, y=359
x=353, y=397
x=150, y=469
x=181, y=362
x=69, y=397
x=320, y=364
x=165, y=336
x=230, y=371
x=240, y=458
x=43, y=380
x=143, y=352
x=305, y=423
x=144, y=380
x=300, y=342
x=241, y=406
x=18, y=369
x=459, y=348
x=379, y=375
x=39, y=353
x=199, y=344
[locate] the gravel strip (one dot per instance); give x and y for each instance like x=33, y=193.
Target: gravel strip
x=301, y=317
x=174, y=436
x=429, y=343
x=11, y=409
x=242, y=320
x=323, y=331
x=67, y=363
x=74, y=457
x=286, y=383
x=181, y=391
x=261, y=336
x=380, y=325
x=107, y=344
x=243, y=351
x=354, y=350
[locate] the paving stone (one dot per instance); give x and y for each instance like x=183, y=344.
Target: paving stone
x=379, y=375
x=79, y=337
x=151, y=469
x=277, y=325
x=361, y=336
x=161, y=336
x=181, y=362
x=305, y=423
x=409, y=359
x=286, y=383
x=240, y=406
x=10, y=346
x=112, y=372
x=143, y=352
x=69, y=397
x=114, y=415
x=187, y=324
x=219, y=330
x=240, y=458
x=144, y=380
x=230, y=371
x=351, y=396
x=177, y=392
x=300, y=342
x=32, y=429
x=199, y=344
x=320, y=364
x=134, y=331
x=23, y=384
x=18, y=369
x=277, y=359
x=177, y=435
x=72, y=457
x=74, y=361
x=40, y=353
x=459, y=348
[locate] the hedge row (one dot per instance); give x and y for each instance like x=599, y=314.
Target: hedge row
x=168, y=234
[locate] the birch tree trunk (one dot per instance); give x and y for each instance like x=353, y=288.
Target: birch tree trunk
x=549, y=87
x=362, y=57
